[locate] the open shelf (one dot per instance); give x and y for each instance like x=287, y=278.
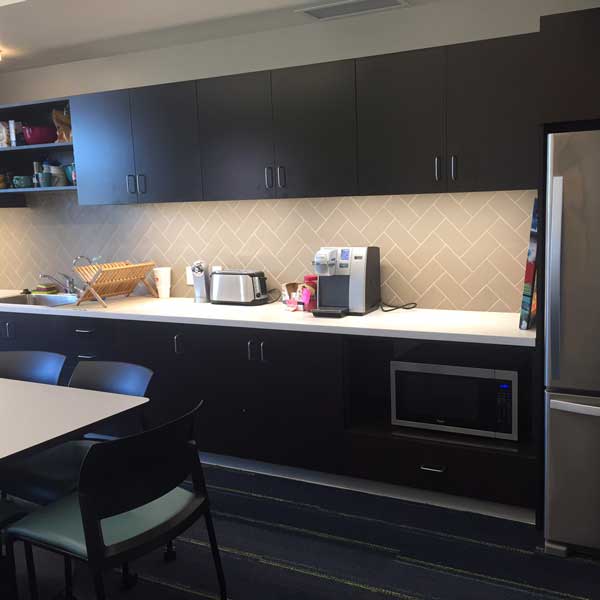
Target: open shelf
x=53, y=146
x=39, y=189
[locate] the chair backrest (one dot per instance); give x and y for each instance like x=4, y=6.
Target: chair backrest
x=127, y=473
x=31, y=365
x=111, y=376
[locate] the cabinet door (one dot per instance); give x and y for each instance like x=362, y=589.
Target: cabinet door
x=493, y=114
x=314, y=110
x=400, y=103
x=236, y=134
x=103, y=148
x=166, y=143
x=571, y=47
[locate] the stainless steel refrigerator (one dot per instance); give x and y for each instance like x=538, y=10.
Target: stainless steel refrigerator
x=572, y=334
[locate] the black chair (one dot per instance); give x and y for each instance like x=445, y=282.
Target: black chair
x=129, y=503
x=31, y=365
x=50, y=474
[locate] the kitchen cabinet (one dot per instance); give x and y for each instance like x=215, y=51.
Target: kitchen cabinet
x=104, y=149
x=138, y=145
x=571, y=47
x=314, y=117
x=401, y=117
x=236, y=135
x=493, y=130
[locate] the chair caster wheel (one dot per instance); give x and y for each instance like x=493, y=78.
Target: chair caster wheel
x=128, y=581
x=170, y=554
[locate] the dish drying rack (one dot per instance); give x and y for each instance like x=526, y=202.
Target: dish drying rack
x=108, y=280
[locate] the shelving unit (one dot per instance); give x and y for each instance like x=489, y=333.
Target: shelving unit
x=64, y=188
x=52, y=146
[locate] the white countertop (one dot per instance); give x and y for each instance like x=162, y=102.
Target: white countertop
x=427, y=324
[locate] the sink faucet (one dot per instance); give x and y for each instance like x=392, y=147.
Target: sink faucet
x=67, y=285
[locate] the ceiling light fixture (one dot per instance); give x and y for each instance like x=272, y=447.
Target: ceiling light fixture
x=349, y=8
x=7, y=2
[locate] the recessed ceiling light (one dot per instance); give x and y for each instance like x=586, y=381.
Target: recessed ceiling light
x=7, y=2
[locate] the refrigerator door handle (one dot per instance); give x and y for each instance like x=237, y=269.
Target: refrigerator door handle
x=554, y=280
x=578, y=409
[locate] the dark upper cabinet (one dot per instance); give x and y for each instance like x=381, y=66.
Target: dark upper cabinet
x=314, y=116
x=236, y=136
x=571, y=50
x=104, y=148
x=166, y=143
x=400, y=104
x=493, y=114
x=138, y=145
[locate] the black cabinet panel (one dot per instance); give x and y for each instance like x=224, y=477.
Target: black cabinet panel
x=314, y=113
x=166, y=143
x=103, y=148
x=236, y=136
x=493, y=114
x=571, y=50
x=401, y=112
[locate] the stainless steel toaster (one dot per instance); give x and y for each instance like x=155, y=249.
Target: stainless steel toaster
x=238, y=287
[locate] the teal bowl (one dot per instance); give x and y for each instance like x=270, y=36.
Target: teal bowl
x=69, y=173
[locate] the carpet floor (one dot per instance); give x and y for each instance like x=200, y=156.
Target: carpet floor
x=288, y=540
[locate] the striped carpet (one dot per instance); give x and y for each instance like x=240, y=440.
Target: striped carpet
x=287, y=540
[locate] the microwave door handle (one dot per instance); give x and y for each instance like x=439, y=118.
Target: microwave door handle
x=554, y=280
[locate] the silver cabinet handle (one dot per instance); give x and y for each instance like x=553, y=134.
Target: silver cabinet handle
x=86, y=356
x=262, y=352
x=553, y=309
x=268, y=177
x=433, y=469
x=177, y=345
x=249, y=349
x=84, y=331
x=436, y=168
x=453, y=163
x=141, y=183
x=572, y=407
x=130, y=183
x=281, y=181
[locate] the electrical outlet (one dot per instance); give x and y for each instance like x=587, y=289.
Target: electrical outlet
x=189, y=278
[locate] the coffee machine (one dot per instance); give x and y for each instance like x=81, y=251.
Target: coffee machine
x=349, y=281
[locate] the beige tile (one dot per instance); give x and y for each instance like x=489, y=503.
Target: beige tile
x=452, y=264
x=473, y=202
x=508, y=238
x=452, y=237
x=507, y=265
x=452, y=290
x=480, y=251
x=427, y=250
x=483, y=301
x=509, y=210
x=480, y=222
x=427, y=276
x=427, y=223
x=479, y=278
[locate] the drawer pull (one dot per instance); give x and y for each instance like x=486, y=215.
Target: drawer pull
x=84, y=331
x=86, y=356
x=433, y=469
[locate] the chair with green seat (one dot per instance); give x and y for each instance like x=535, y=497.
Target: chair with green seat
x=52, y=473
x=129, y=503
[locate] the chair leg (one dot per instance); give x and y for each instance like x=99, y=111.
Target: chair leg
x=214, y=547
x=99, y=586
x=170, y=554
x=128, y=579
x=33, y=589
x=68, y=579
x=12, y=569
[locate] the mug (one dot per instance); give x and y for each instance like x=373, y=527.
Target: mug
x=162, y=280
x=22, y=181
x=44, y=179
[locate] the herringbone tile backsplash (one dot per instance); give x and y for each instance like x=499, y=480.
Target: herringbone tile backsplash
x=456, y=251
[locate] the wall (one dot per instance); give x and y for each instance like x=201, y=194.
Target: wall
x=433, y=24
x=459, y=251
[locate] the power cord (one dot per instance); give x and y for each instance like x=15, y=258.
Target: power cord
x=391, y=308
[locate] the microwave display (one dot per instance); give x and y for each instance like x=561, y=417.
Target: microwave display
x=464, y=400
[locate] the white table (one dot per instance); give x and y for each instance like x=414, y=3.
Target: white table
x=34, y=415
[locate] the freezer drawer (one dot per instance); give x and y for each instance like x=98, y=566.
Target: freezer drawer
x=573, y=470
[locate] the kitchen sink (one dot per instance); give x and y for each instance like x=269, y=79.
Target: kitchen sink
x=41, y=299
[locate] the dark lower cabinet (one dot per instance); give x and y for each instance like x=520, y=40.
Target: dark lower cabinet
x=103, y=148
x=314, y=120
x=236, y=136
x=401, y=117
x=494, y=114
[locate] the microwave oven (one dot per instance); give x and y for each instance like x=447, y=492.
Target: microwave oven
x=472, y=401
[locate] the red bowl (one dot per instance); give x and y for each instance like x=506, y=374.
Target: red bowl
x=41, y=134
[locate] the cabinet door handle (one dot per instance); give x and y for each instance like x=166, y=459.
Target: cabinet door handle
x=262, y=352
x=268, y=177
x=249, y=349
x=281, y=181
x=177, y=344
x=141, y=183
x=453, y=165
x=86, y=356
x=7, y=328
x=130, y=183
x=438, y=470
x=436, y=168
x=85, y=331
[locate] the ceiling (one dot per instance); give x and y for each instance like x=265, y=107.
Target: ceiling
x=38, y=32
